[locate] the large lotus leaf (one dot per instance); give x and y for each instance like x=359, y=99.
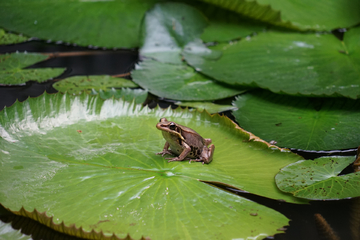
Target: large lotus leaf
x=299, y=122
x=78, y=84
x=302, y=14
x=128, y=94
x=294, y=63
x=10, y=38
x=100, y=23
x=12, y=72
x=90, y=163
x=179, y=81
x=319, y=179
x=167, y=28
x=8, y=233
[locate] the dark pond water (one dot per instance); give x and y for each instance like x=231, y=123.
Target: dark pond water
x=343, y=216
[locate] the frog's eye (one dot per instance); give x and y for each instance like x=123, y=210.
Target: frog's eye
x=172, y=126
x=162, y=120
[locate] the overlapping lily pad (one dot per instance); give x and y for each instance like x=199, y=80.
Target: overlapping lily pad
x=100, y=23
x=12, y=68
x=78, y=84
x=319, y=179
x=128, y=94
x=302, y=14
x=293, y=63
x=209, y=106
x=298, y=122
x=8, y=233
x=225, y=25
x=10, y=38
x=167, y=28
x=104, y=151
x=180, y=82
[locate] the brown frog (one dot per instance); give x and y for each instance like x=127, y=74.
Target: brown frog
x=185, y=143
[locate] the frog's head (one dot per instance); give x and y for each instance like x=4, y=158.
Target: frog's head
x=170, y=127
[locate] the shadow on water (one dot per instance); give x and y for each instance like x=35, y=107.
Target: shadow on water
x=343, y=215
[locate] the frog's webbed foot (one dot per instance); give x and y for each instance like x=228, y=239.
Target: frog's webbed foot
x=197, y=160
x=164, y=152
x=174, y=159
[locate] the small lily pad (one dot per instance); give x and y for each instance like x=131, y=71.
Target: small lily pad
x=180, y=82
x=128, y=94
x=12, y=70
x=209, y=106
x=78, y=84
x=319, y=179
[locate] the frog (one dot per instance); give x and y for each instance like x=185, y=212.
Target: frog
x=185, y=143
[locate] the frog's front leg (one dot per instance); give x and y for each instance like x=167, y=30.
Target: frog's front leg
x=183, y=154
x=165, y=150
x=206, y=155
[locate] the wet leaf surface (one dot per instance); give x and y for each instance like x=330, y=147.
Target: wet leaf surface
x=299, y=122
x=291, y=63
x=12, y=70
x=319, y=179
x=92, y=163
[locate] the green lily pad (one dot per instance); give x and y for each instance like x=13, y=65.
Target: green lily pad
x=78, y=84
x=89, y=164
x=209, y=106
x=167, y=28
x=100, y=23
x=10, y=38
x=12, y=72
x=301, y=14
x=128, y=94
x=299, y=122
x=8, y=233
x=225, y=25
x=319, y=179
x=293, y=63
x=179, y=81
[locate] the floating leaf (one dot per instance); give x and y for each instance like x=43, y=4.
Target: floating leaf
x=319, y=179
x=293, y=63
x=127, y=94
x=209, y=106
x=299, y=122
x=302, y=14
x=100, y=23
x=90, y=163
x=179, y=81
x=225, y=25
x=167, y=28
x=12, y=72
x=10, y=38
x=78, y=84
